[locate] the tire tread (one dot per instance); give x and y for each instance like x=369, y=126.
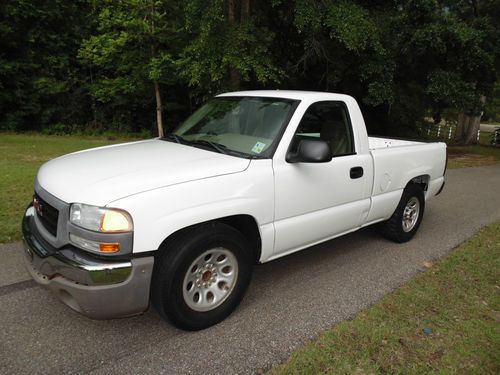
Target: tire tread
x=170, y=256
x=392, y=229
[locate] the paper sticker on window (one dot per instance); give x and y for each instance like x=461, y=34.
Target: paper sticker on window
x=259, y=146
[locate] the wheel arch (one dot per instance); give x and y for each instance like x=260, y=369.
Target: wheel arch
x=393, y=227
x=421, y=180
x=245, y=224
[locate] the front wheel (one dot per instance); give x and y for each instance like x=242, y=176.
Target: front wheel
x=202, y=276
x=406, y=219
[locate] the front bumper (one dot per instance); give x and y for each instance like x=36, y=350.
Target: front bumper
x=99, y=289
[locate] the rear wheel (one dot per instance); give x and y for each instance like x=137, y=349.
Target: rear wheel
x=406, y=219
x=202, y=276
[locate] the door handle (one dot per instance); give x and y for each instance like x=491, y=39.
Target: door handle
x=356, y=172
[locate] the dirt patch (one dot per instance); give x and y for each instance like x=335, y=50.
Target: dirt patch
x=458, y=159
x=465, y=156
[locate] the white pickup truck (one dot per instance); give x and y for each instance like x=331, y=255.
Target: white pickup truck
x=248, y=178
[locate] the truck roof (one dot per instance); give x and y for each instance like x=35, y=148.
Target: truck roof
x=289, y=94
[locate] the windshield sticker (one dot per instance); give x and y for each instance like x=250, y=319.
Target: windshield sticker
x=258, y=148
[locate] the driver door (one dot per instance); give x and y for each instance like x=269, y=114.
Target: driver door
x=317, y=201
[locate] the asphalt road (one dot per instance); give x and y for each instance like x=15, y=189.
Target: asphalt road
x=290, y=300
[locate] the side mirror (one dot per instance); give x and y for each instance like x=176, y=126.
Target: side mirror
x=311, y=151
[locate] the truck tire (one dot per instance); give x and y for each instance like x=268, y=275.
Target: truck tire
x=406, y=219
x=201, y=276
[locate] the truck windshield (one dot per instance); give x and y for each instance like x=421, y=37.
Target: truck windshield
x=241, y=126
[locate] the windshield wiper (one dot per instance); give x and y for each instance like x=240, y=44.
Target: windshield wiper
x=220, y=148
x=174, y=137
x=216, y=146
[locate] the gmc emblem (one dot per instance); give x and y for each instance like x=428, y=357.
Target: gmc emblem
x=38, y=206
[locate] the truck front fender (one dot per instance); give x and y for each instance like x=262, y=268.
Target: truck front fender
x=159, y=213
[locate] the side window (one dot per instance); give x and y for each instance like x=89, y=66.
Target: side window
x=328, y=121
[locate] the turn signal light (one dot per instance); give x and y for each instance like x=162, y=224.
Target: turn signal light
x=102, y=247
x=109, y=247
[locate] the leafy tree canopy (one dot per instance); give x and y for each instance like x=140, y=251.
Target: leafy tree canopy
x=111, y=63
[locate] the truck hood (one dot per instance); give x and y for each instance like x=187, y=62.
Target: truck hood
x=101, y=175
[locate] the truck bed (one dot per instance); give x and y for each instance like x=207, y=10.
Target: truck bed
x=398, y=161
x=378, y=142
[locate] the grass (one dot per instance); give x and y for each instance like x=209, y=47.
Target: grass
x=22, y=155
x=444, y=321
x=479, y=155
x=472, y=156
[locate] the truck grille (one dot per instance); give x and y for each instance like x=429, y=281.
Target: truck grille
x=46, y=214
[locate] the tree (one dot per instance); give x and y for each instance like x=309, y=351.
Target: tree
x=228, y=47
x=340, y=46
x=135, y=50
x=404, y=60
x=462, y=48
x=40, y=78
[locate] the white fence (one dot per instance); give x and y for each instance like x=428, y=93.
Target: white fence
x=444, y=131
x=441, y=131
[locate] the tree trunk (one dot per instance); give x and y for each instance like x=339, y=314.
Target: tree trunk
x=468, y=126
x=159, y=117
x=475, y=8
x=234, y=79
x=471, y=135
x=231, y=11
x=234, y=76
x=159, y=109
x=462, y=125
x=245, y=10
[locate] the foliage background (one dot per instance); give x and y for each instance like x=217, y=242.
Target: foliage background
x=88, y=66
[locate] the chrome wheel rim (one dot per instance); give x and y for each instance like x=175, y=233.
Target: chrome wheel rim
x=210, y=279
x=410, y=214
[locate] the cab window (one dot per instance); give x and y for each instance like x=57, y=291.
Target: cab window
x=328, y=120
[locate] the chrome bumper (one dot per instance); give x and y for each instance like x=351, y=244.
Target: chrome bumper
x=99, y=289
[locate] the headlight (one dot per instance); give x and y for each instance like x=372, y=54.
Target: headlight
x=100, y=219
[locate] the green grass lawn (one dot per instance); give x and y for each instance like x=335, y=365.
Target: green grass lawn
x=444, y=321
x=21, y=156
x=473, y=156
